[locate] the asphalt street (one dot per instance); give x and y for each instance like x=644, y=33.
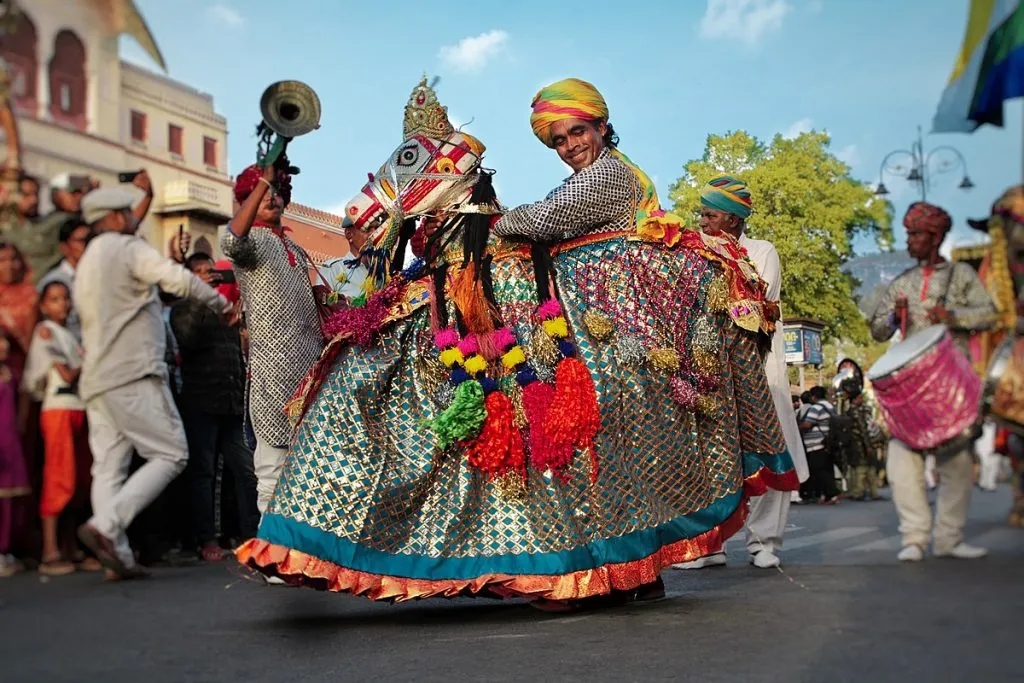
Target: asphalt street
x=842, y=610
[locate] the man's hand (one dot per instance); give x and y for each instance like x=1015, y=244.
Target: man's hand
x=143, y=182
x=939, y=314
x=234, y=318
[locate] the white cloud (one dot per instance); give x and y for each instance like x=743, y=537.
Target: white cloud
x=849, y=155
x=746, y=21
x=472, y=53
x=225, y=14
x=799, y=128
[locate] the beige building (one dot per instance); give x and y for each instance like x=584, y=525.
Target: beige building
x=83, y=110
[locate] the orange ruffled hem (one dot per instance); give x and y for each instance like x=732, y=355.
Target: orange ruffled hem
x=298, y=568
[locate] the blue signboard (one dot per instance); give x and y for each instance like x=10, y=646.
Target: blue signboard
x=812, y=347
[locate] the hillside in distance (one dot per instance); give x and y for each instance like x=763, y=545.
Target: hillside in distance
x=875, y=272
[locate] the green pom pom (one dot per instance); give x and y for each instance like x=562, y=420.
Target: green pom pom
x=359, y=301
x=464, y=418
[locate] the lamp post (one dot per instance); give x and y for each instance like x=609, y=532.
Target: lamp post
x=917, y=166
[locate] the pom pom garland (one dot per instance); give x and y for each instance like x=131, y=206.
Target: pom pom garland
x=514, y=358
x=463, y=419
x=451, y=357
x=469, y=345
x=475, y=364
x=446, y=338
x=556, y=327
x=503, y=338
x=549, y=309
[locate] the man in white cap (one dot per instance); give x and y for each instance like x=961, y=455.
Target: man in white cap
x=124, y=376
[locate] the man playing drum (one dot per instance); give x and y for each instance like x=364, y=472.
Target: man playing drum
x=932, y=292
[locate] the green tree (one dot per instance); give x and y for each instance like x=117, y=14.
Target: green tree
x=807, y=204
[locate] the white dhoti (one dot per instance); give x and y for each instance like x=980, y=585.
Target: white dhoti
x=139, y=416
x=267, y=463
x=991, y=462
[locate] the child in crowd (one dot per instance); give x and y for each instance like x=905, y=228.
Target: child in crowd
x=51, y=376
x=13, y=474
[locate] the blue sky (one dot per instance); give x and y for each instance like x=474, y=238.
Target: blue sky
x=867, y=71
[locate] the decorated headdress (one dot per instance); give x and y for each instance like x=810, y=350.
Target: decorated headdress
x=928, y=217
x=424, y=115
x=729, y=194
x=570, y=98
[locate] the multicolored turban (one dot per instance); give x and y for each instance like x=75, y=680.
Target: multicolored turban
x=570, y=98
x=248, y=179
x=929, y=218
x=728, y=194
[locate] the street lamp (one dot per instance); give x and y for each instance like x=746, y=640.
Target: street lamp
x=917, y=166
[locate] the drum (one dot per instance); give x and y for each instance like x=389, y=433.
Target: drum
x=928, y=392
x=1004, y=386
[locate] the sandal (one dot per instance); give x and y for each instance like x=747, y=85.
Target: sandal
x=56, y=566
x=650, y=592
x=89, y=564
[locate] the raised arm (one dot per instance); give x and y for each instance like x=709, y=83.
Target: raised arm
x=150, y=267
x=590, y=199
x=243, y=219
x=883, y=320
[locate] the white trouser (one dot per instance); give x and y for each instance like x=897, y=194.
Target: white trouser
x=905, y=470
x=767, y=521
x=140, y=416
x=991, y=462
x=267, y=461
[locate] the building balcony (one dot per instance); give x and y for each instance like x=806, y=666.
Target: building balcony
x=190, y=196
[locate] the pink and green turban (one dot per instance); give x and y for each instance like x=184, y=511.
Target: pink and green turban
x=567, y=99
x=729, y=194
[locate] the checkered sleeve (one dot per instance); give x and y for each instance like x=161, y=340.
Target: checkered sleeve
x=599, y=195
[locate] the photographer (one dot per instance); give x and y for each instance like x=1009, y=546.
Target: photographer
x=213, y=405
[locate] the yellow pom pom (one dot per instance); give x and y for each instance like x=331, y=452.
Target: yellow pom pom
x=598, y=325
x=556, y=327
x=452, y=357
x=666, y=360
x=342, y=278
x=476, y=363
x=514, y=357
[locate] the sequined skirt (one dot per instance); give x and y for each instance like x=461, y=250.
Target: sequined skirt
x=366, y=504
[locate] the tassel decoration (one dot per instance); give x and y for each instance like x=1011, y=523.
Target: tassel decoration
x=498, y=448
x=463, y=419
x=544, y=348
x=664, y=359
x=629, y=350
x=598, y=325
x=573, y=420
x=683, y=393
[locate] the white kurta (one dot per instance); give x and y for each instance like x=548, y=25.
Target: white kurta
x=766, y=259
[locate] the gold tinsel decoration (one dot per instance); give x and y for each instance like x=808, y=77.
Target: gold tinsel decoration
x=665, y=360
x=704, y=362
x=598, y=325
x=512, y=486
x=718, y=294
x=432, y=372
x=515, y=393
x=708, y=406
x=544, y=348
x=1000, y=284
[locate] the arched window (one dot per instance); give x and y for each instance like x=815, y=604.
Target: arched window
x=19, y=51
x=67, y=80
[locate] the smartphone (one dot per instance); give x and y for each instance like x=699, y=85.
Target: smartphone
x=79, y=183
x=127, y=176
x=224, y=276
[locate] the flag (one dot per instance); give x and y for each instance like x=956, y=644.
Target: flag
x=1001, y=76
x=985, y=57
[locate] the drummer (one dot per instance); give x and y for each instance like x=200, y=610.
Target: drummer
x=932, y=292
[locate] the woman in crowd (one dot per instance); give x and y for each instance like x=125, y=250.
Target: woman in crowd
x=14, y=483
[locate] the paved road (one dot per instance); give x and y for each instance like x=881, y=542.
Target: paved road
x=843, y=610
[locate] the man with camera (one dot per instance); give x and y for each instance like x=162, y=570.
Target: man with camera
x=213, y=406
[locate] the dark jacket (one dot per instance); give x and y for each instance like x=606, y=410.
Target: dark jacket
x=212, y=364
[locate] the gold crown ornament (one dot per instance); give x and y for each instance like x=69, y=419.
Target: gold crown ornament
x=424, y=115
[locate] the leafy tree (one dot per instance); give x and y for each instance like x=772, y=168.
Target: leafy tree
x=807, y=204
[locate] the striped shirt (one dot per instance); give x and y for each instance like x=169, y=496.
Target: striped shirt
x=817, y=415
